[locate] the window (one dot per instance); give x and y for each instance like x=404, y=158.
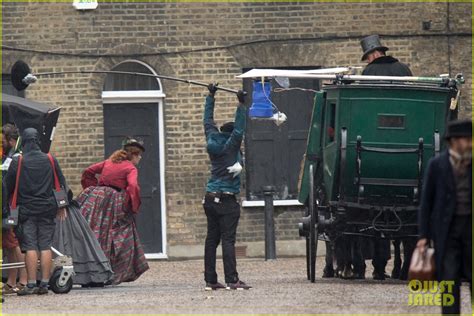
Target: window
x=330, y=123
x=273, y=154
x=119, y=82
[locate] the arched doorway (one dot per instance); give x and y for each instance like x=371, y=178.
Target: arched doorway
x=133, y=106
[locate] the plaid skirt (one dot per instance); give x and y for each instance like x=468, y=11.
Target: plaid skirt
x=114, y=226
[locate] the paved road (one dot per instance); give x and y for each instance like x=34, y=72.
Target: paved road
x=280, y=287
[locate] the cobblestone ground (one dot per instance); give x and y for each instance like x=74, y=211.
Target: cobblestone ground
x=279, y=287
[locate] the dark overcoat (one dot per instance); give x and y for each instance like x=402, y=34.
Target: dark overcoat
x=387, y=66
x=438, y=203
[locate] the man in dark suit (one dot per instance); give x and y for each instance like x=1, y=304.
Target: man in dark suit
x=220, y=202
x=446, y=211
x=379, y=64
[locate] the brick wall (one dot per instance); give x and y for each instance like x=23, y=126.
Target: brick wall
x=276, y=34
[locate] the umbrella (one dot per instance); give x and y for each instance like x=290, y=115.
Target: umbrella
x=26, y=113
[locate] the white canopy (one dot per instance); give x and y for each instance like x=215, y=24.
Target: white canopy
x=331, y=74
x=257, y=73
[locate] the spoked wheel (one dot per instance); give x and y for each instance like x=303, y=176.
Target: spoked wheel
x=308, y=260
x=313, y=231
x=305, y=224
x=308, y=228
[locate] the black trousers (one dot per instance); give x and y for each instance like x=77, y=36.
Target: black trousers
x=222, y=221
x=457, y=259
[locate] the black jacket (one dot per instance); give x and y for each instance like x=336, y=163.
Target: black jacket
x=223, y=149
x=35, y=190
x=387, y=66
x=5, y=206
x=438, y=203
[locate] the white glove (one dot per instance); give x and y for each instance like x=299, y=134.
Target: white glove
x=236, y=169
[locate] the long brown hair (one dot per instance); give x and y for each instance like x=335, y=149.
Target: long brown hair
x=125, y=154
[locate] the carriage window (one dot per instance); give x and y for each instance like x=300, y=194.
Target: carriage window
x=331, y=124
x=391, y=121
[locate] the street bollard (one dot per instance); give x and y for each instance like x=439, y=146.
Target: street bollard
x=270, y=247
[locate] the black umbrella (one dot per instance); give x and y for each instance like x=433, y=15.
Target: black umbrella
x=26, y=113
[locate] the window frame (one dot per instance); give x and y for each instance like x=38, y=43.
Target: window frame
x=330, y=122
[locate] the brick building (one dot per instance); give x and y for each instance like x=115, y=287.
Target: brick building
x=208, y=42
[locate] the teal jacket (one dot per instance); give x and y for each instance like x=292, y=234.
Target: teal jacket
x=223, y=149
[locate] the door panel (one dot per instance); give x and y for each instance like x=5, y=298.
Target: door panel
x=140, y=120
x=274, y=154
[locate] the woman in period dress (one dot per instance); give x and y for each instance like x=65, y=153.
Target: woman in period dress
x=109, y=203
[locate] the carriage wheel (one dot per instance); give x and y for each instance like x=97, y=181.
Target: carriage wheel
x=308, y=261
x=313, y=232
x=308, y=253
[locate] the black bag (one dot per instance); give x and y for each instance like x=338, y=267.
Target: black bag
x=61, y=198
x=59, y=193
x=11, y=218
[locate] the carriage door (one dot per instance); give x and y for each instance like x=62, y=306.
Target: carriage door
x=133, y=106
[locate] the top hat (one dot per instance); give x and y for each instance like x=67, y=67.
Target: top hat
x=371, y=43
x=459, y=128
x=129, y=142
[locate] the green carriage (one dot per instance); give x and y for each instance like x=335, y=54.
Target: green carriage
x=368, y=145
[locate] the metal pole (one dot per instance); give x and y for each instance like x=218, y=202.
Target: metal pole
x=56, y=252
x=193, y=82
x=270, y=246
x=21, y=69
